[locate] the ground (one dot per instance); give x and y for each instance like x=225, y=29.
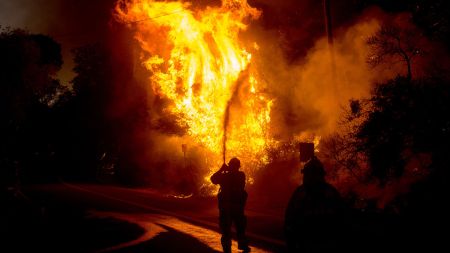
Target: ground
x=67, y=217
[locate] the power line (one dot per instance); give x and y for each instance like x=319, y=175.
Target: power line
x=150, y=18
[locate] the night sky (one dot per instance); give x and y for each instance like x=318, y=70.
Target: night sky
x=73, y=23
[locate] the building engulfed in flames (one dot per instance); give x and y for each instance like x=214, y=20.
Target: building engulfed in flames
x=198, y=62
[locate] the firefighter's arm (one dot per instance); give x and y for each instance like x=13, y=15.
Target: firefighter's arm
x=216, y=178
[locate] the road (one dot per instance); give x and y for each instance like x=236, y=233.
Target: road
x=159, y=222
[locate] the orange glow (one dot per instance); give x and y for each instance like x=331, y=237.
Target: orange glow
x=198, y=62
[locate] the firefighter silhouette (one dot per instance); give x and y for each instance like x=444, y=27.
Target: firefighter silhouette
x=232, y=198
x=313, y=212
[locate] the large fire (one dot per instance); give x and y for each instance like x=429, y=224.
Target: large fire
x=198, y=61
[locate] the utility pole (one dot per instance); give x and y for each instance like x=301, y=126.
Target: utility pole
x=329, y=32
x=328, y=21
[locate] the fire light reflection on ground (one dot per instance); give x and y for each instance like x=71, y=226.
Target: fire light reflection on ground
x=155, y=224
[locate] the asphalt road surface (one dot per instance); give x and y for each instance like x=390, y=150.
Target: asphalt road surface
x=99, y=218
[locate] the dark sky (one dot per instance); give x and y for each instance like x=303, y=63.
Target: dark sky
x=71, y=22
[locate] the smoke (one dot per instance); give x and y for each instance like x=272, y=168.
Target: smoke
x=423, y=65
x=309, y=94
x=28, y=14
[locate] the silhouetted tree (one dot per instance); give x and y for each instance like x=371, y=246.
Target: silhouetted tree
x=402, y=119
x=85, y=143
x=405, y=116
x=410, y=121
x=28, y=85
x=403, y=123
x=392, y=44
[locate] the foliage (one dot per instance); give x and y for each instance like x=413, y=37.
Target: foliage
x=86, y=137
x=405, y=115
x=48, y=130
x=403, y=119
x=28, y=66
x=393, y=44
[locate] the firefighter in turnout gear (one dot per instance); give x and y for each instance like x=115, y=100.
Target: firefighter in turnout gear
x=232, y=198
x=314, y=212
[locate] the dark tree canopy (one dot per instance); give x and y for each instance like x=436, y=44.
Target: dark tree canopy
x=83, y=115
x=406, y=116
x=28, y=66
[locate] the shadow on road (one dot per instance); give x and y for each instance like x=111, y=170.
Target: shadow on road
x=169, y=241
x=61, y=228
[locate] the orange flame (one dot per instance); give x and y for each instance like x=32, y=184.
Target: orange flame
x=198, y=62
